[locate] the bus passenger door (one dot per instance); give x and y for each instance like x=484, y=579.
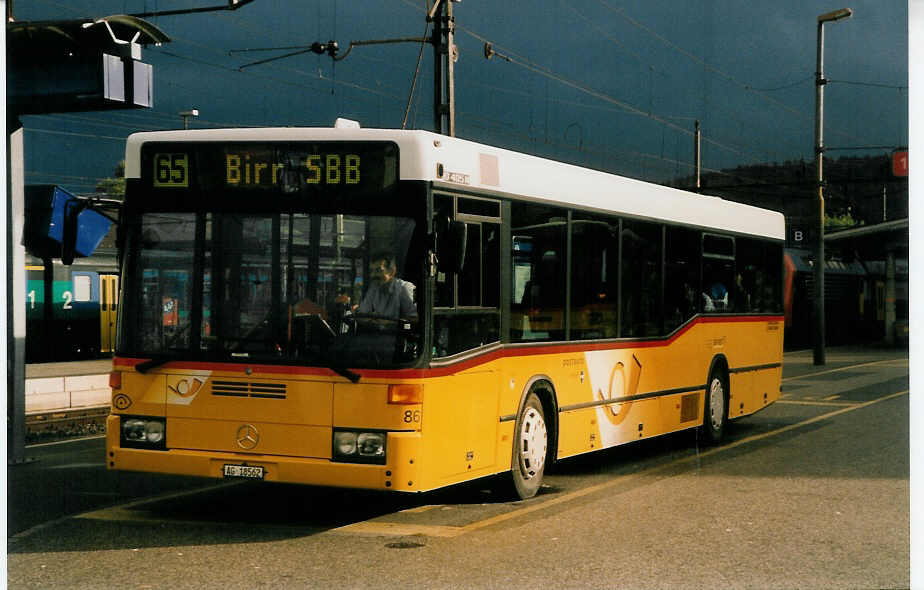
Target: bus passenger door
x=466, y=328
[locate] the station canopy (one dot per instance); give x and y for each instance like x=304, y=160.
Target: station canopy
x=79, y=65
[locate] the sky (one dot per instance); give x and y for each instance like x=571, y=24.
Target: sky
x=614, y=85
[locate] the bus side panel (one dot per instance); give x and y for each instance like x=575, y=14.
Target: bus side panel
x=578, y=432
x=752, y=349
x=753, y=391
x=459, y=425
x=741, y=396
x=645, y=371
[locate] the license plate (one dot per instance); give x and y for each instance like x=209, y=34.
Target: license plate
x=245, y=471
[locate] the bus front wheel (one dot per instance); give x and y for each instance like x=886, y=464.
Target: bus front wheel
x=530, y=448
x=715, y=417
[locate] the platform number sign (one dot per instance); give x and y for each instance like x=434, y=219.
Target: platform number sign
x=171, y=170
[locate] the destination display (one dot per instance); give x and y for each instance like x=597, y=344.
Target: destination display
x=288, y=167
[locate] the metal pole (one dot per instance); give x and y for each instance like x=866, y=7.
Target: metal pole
x=697, y=156
x=450, y=68
x=819, y=307
x=890, y=298
x=438, y=68
x=883, y=203
x=16, y=294
x=444, y=102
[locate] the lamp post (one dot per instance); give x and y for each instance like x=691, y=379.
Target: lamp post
x=819, y=340
x=186, y=115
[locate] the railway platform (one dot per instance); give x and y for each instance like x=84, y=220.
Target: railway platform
x=68, y=385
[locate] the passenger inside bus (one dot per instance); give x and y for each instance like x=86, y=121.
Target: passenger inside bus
x=716, y=299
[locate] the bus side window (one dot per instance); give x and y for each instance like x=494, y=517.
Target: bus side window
x=681, y=277
x=719, y=281
x=537, y=310
x=468, y=314
x=594, y=276
x=641, y=278
x=759, y=278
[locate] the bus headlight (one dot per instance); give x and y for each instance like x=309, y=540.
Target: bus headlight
x=354, y=446
x=344, y=443
x=144, y=433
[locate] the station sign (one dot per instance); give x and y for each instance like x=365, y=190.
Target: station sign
x=900, y=163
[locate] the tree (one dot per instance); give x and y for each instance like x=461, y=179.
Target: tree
x=113, y=186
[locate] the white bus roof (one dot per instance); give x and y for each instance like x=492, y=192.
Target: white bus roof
x=453, y=162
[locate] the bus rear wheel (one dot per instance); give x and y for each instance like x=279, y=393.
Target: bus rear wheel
x=715, y=417
x=530, y=447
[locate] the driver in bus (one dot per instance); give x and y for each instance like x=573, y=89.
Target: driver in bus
x=388, y=296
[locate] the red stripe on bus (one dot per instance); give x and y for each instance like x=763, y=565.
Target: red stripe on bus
x=508, y=351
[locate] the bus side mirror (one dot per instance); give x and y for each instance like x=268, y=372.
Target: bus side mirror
x=451, y=238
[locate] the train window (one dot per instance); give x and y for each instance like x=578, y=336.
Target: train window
x=82, y=290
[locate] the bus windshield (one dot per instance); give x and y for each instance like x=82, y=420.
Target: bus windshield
x=333, y=290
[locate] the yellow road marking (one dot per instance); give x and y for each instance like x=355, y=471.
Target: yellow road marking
x=420, y=509
x=808, y=402
x=806, y=376
x=396, y=529
x=122, y=513
x=384, y=528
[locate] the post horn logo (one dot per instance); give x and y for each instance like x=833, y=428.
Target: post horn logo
x=121, y=401
x=621, y=386
x=247, y=437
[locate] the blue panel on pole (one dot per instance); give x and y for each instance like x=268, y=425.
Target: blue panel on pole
x=48, y=205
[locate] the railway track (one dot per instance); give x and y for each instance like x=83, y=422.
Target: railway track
x=64, y=424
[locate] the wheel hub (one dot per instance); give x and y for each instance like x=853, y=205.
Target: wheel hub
x=716, y=403
x=533, y=443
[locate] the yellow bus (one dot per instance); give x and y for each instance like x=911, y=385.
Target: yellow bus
x=400, y=310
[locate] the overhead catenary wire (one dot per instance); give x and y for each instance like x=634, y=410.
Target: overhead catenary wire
x=709, y=67
x=523, y=62
x=410, y=96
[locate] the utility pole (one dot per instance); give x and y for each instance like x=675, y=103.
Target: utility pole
x=819, y=279
x=697, y=156
x=445, y=55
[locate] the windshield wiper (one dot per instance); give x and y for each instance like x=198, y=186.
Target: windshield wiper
x=324, y=361
x=344, y=372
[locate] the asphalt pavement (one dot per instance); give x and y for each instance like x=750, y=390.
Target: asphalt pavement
x=812, y=492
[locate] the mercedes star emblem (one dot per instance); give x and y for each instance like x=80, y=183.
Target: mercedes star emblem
x=247, y=437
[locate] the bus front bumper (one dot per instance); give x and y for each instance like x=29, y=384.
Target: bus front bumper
x=398, y=474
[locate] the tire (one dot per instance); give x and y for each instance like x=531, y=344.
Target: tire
x=530, y=449
x=715, y=412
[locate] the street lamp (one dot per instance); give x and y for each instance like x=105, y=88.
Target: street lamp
x=186, y=115
x=819, y=352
